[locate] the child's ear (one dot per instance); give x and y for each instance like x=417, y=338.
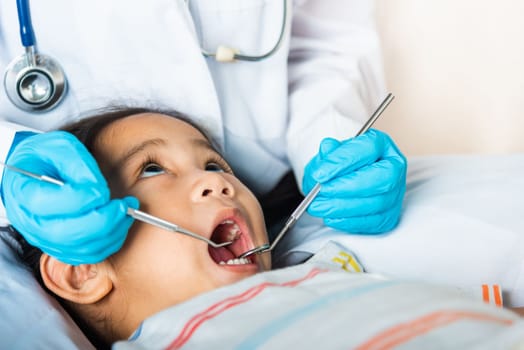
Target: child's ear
x=82, y=284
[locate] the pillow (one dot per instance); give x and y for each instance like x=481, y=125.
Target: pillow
x=31, y=319
x=462, y=225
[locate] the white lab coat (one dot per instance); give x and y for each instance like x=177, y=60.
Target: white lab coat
x=269, y=116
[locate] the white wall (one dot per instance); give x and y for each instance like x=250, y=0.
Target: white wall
x=456, y=68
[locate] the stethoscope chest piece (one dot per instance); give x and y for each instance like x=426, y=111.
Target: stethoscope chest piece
x=35, y=82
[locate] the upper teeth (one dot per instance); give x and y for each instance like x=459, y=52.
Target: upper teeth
x=234, y=231
x=237, y=261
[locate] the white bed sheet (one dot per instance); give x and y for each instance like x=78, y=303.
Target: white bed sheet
x=318, y=305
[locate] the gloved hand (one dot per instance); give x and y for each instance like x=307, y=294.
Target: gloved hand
x=363, y=181
x=76, y=223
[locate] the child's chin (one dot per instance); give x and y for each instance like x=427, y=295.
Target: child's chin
x=231, y=276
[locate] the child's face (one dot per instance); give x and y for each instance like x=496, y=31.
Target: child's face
x=176, y=175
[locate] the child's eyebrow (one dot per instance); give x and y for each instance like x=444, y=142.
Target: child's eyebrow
x=203, y=143
x=139, y=148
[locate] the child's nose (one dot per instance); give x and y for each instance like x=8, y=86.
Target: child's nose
x=212, y=184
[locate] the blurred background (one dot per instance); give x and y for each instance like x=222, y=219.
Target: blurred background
x=456, y=68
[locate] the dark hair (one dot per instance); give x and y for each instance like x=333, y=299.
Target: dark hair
x=87, y=130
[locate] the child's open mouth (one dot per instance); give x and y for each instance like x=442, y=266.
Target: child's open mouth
x=230, y=230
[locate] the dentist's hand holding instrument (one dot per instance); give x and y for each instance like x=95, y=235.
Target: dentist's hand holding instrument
x=343, y=163
x=77, y=223
x=363, y=181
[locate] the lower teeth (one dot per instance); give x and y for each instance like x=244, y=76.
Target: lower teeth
x=238, y=261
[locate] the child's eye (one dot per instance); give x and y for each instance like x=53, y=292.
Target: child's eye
x=151, y=169
x=212, y=166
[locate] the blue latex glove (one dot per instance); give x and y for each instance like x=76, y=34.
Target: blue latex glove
x=76, y=223
x=363, y=181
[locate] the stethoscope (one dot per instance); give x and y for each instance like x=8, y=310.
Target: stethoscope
x=35, y=82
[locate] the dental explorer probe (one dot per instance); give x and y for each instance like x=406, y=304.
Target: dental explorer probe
x=312, y=194
x=44, y=178
x=156, y=221
x=134, y=213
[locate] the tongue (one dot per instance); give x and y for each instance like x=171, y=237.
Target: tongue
x=220, y=254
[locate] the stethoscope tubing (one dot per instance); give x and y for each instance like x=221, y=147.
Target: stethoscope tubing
x=27, y=34
x=257, y=58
